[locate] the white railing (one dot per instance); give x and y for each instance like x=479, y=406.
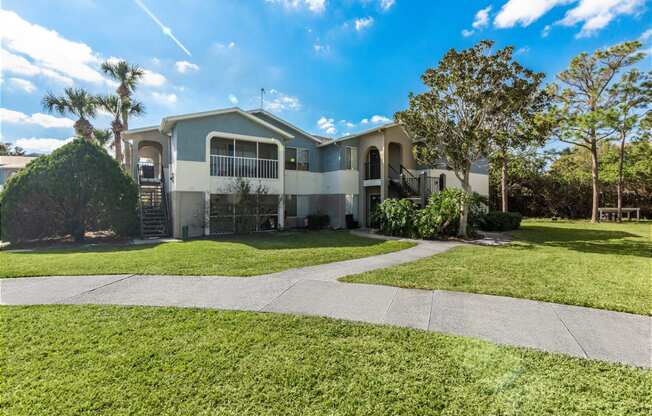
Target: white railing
x=244, y=167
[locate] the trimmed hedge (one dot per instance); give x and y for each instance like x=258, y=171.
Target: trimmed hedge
x=500, y=221
x=78, y=188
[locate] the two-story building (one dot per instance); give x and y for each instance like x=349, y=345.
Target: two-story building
x=187, y=168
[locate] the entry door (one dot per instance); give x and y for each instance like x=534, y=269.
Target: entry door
x=374, y=201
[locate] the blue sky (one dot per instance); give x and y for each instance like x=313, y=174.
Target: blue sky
x=331, y=67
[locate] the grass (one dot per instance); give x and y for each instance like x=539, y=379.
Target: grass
x=235, y=256
x=607, y=266
x=79, y=360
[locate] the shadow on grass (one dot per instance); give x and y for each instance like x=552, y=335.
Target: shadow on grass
x=262, y=241
x=586, y=241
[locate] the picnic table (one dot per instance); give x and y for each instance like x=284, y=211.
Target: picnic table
x=611, y=214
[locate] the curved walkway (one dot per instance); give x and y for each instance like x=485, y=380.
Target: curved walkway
x=572, y=330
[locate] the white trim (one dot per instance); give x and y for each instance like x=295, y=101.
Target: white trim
x=168, y=122
x=139, y=130
x=280, y=120
x=362, y=133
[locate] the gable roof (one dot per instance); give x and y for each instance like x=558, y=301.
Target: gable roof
x=362, y=133
x=167, y=123
x=286, y=123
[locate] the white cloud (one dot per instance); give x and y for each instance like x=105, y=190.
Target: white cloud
x=347, y=124
x=279, y=102
x=597, y=14
x=481, y=19
x=522, y=51
x=40, y=119
x=165, y=98
x=386, y=4
x=48, y=50
x=327, y=125
x=20, y=66
x=219, y=46
x=320, y=48
x=185, y=66
x=364, y=121
x=153, y=79
x=645, y=36
x=315, y=6
x=22, y=84
x=546, y=31
x=363, y=23
x=593, y=14
x=41, y=145
x=379, y=119
x=466, y=33
x=524, y=12
x=233, y=99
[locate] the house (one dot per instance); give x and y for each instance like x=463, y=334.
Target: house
x=187, y=166
x=10, y=165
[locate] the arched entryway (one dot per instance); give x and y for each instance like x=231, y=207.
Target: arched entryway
x=150, y=160
x=372, y=164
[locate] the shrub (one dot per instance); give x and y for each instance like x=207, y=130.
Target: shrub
x=396, y=217
x=441, y=214
x=318, y=221
x=78, y=188
x=500, y=221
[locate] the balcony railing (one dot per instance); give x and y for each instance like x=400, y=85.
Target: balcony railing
x=372, y=170
x=244, y=167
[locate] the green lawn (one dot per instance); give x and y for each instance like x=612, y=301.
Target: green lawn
x=77, y=360
x=606, y=266
x=236, y=256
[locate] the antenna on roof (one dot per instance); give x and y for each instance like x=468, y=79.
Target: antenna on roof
x=262, y=98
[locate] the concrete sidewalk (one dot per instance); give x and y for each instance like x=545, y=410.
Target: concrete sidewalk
x=572, y=330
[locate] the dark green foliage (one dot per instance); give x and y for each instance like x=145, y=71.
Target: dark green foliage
x=440, y=216
x=78, y=188
x=396, y=217
x=318, y=221
x=500, y=221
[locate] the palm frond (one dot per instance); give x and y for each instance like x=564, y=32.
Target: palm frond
x=137, y=109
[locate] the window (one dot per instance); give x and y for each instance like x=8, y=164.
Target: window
x=303, y=159
x=242, y=158
x=290, y=206
x=267, y=151
x=291, y=158
x=351, y=158
x=222, y=147
x=230, y=214
x=442, y=182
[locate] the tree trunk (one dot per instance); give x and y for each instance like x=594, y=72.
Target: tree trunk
x=118, y=146
x=619, y=187
x=464, y=215
x=595, y=182
x=503, y=185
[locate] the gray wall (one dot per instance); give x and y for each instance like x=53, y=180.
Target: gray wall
x=300, y=140
x=333, y=156
x=191, y=134
x=188, y=209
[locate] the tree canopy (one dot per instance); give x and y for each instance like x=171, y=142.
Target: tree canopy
x=77, y=188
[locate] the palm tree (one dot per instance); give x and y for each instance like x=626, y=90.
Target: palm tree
x=127, y=77
x=119, y=108
x=103, y=136
x=76, y=101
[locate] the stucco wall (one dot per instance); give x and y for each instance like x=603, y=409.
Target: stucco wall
x=188, y=208
x=191, y=134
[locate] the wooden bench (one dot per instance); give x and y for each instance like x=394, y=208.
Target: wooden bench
x=611, y=214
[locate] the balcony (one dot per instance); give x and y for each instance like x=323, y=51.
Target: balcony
x=244, y=167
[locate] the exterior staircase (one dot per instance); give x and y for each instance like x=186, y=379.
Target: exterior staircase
x=415, y=188
x=153, y=211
